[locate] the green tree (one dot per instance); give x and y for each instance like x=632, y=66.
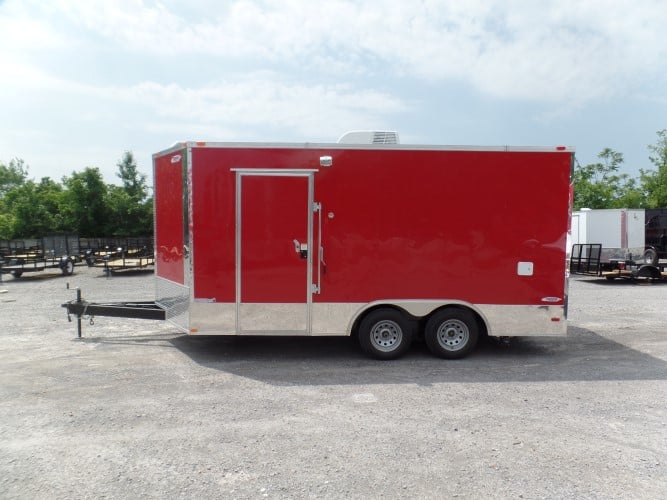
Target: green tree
x=654, y=182
x=84, y=208
x=82, y=203
x=13, y=175
x=34, y=208
x=630, y=195
x=130, y=208
x=134, y=183
x=51, y=196
x=599, y=185
x=6, y=224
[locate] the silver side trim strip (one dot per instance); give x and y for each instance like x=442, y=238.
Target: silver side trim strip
x=214, y=318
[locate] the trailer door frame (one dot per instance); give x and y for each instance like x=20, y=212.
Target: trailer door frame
x=248, y=314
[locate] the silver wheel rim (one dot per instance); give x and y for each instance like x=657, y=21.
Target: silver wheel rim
x=386, y=335
x=453, y=335
x=70, y=266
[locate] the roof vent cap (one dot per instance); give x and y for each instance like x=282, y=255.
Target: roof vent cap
x=369, y=137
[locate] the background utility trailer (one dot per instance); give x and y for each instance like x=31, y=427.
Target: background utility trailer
x=620, y=242
x=59, y=251
x=382, y=241
x=620, y=231
x=121, y=254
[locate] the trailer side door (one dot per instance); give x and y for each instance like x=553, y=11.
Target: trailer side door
x=274, y=261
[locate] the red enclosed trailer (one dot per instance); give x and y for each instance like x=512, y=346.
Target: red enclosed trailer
x=386, y=242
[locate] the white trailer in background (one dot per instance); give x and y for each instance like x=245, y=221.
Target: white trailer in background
x=620, y=231
x=619, y=242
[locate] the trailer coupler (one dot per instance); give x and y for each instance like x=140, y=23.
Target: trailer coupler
x=137, y=310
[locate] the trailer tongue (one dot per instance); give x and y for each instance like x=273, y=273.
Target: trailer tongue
x=139, y=310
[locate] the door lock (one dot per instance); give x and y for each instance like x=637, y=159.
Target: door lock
x=301, y=249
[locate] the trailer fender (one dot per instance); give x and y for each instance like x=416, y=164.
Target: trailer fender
x=416, y=310
x=648, y=271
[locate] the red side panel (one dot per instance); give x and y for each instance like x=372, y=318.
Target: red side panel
x=444, y=225
x=169, y=227
x=213, y=225
x=399, y=224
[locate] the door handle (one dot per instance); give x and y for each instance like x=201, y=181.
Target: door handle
x=301, y=249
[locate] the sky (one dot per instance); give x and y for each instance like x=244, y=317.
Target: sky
x=83, y=81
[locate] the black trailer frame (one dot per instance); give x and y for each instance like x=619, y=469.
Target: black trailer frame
x=632, y=270
x=97, y=251
x=126, y=263
x=58, y=251
x=585, y=259
x=137, y=310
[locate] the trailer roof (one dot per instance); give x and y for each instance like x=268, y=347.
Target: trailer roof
x=400, y=147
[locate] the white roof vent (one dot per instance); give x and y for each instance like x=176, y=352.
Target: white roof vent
x=369, y=137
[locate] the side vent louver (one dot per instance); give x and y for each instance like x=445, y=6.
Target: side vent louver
x=385, y=138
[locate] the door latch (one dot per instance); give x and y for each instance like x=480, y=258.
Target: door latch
x=301, y=249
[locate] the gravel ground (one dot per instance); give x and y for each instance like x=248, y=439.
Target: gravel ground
x=135, y=409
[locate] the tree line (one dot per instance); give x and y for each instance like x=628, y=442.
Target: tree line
x=600, y=185
x=80, y=203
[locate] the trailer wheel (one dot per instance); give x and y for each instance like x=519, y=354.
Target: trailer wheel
x=651, y=257
x=67, y=267
x=17, y=274
x=451, y=333
x=385, y=334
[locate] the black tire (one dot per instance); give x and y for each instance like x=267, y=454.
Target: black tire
x=385, y=334
x=651, y=257
x=67, y=267
x=17, y=274
x=451, y=333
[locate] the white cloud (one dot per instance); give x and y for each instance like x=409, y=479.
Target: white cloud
x=22, y=31
x=257, y=100
x=560, y=51
x=262, y=100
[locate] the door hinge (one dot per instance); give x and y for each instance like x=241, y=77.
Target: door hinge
x=317, y=207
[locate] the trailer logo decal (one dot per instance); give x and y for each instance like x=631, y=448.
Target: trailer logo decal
x=176, y=158
x=170, y=253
